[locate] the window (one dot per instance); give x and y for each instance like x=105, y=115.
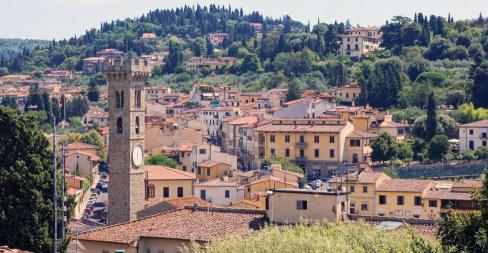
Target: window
x=365, y=188
x=180, y=192
x=417, y=200
x=382, y=199
x=137, y=125
x=355, y=143
x=151, y=191
x=364, y=206
x=202, y=151
x=119, y=125
x=302, y=139
x=199, y=171
x=301, y=205
x=471, y=131
x=105, y=251
x=302, y=152
x=287, y=152
x=471, y=145
x=432, y=203
x=165, y=192
x=356, y=47
x=138, y=98
x=203, y=194
x=227, y=194
x=331, y=153
x=400, y=200
x=398, y=213
x=272, y=138
x=483, y=143
x=331, y=139
x=287, y=138
x=208, y=171
x=316, y=153
x=316, y=139
x=352, y=188
x=122, y=99
x=272, y=151
x=117, y=99
x=184, y=168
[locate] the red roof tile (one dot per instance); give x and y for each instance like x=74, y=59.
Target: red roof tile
x=158, y=172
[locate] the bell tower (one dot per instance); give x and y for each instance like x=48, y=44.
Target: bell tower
x=126, y=103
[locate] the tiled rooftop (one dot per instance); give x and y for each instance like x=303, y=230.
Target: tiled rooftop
x=200, y=224
x=158, y=172
x=404, y=185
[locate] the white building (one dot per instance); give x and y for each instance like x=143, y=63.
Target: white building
x=219, y=192
x=473, y=135
x=308, y=107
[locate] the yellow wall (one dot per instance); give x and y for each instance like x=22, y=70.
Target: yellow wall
x=408, y=209
x=264, y=186
x=215, y=172
x=173, y=189
x=320, y=207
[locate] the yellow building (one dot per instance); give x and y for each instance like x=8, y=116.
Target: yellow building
x=362, y=190
x=209, y=170
x=264, y=184
x=360, y=40
x=347, y=93
x=163, y=183
x=317, y=145
x=293, y=205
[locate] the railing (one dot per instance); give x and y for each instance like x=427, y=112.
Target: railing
x=301, y=144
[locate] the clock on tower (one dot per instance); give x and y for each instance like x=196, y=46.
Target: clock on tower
x=126, y=79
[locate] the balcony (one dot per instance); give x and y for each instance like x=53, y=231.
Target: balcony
x=301, y=158
x=301, y=145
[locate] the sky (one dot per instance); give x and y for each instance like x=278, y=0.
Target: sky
x=58, y=19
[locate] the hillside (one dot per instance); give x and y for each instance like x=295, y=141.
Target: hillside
x=10, y=47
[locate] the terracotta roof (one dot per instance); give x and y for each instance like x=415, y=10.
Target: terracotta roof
x=217, y=183
x=248, y=202
x=360, y=134
x=199, y=224
x=392, y=124
x=301, y=128
x=447, y=194
x=209, y=164
x=171, y=205
x=93, y=157
x=158, y=172
x=468, y=184
x=404, y=185
x=273, y=178
x=244, y=120
x=369, y=177
x=80, y=145
x=6, y=249
x=481, y=123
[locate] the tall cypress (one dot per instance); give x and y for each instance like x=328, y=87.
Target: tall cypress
x=431, y=122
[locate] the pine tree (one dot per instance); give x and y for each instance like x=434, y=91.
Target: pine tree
x=431, y=122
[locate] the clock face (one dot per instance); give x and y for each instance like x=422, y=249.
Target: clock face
x=137, y=156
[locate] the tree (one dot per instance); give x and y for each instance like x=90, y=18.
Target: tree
x=411, y=34
x=11, y=102
x=330, y=40
x=404, y=151
x=160, y=160
x=93, y=93
x=384, y=147
x=251, y=63
x=476, y=53
x=417, y=67
x=26, y=177
x=210, y=48
x=466, y=231
x=431, y=122
x=480, y=86
x=456, y=98
x=294, y=90
x=385, y=83
x=438, y=147
x=438, y=49
x=467, y=113
x=175, y=57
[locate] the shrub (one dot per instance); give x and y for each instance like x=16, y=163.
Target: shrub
x=435, y=78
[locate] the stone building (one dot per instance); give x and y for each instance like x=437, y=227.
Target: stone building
x=126, y=79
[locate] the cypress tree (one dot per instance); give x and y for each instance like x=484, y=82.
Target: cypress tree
x=431, y=122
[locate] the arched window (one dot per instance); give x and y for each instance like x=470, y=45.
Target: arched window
x=119, y=125
x=117, y=99
x=355, y=158
x=137, y=125
x=122, y=99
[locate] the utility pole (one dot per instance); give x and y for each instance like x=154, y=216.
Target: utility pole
x=63, y=194
x=55, y=186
